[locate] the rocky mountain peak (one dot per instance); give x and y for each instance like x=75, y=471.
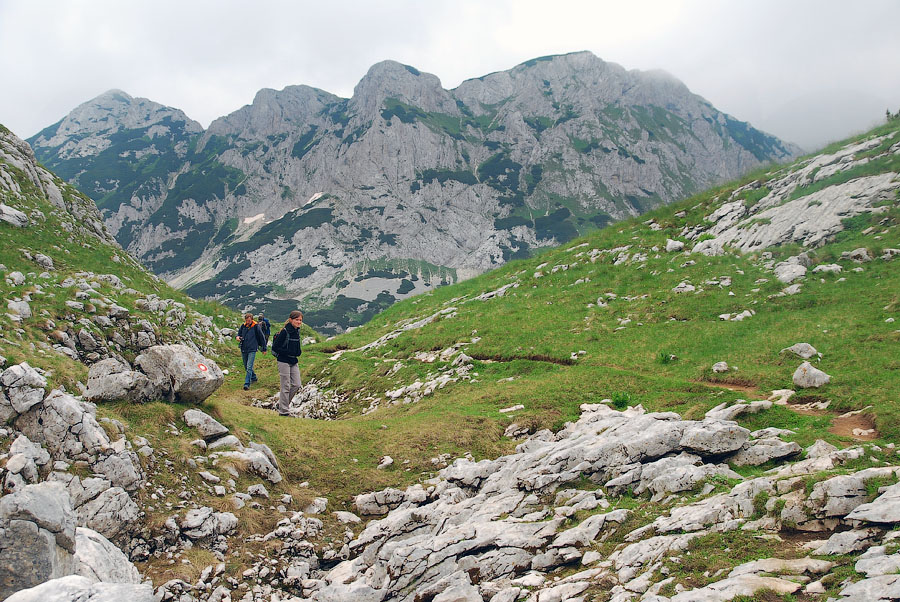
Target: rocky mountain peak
x=84, y=132
x=390, y=79
x=402, y=187
x=274, y=110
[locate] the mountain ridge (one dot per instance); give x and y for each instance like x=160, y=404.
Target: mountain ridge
x=402, y=171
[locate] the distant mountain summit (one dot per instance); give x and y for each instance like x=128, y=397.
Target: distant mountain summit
x=349, y=204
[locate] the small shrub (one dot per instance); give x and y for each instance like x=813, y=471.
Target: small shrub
x=620, y=400
x=665, y=357
x=759, y=504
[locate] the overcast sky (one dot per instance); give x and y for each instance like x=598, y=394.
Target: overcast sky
x=809, y=71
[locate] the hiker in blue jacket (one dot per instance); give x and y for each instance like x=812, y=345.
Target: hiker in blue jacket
x=251, y=339
x=265, y=325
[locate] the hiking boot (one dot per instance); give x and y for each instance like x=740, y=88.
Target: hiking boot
x=246, y=387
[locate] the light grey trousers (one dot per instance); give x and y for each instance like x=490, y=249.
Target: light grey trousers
x=290, y=384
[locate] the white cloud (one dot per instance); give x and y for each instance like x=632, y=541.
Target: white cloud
x=807, y=70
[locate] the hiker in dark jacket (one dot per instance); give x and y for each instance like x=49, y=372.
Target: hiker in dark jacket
x=265, y=326
x=251, y=339
x=286, y=349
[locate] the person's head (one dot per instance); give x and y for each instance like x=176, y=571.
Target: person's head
x=260, y=317
x=248, y=318
x=295, y=318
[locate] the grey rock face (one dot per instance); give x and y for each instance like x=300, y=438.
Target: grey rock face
x=807, y=376
x=180, y=372
x=99, y=560
x=760, y=451
x=111, y=380
x=713, y=437
x=809, y=219
x=71, y=432
x=81, y=589
x=208, y=427
x=804, y=350
x=38, y=536
x=204, y=523
x=884, y=509
x=23, y=388
x=113, y=514
x=495, y=144
x=787, y=272
x=256, y=462
x=490, y=514
x=100, y=506
x=13, y=216
x=673, y=246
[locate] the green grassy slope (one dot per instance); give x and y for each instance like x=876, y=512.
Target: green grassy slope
x=546, y=344
x=526, y=340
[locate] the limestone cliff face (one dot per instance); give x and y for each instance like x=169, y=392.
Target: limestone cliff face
x=21, y=177
x=404, y=186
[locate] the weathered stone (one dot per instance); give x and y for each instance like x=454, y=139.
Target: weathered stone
x=787, y=272
x=111, y=380
x=71, y=432
x=180, y=372
x=804, y=350
x=875, y=589
x=37, y=524
x=99, y=560
x=256, y=462
x=674, y=246
x=76, y=588
x=760, y=451
x=885, y=509
x=712, y=437
x=744, y=585
x=24, y=388
x=846, y=542
x=113, y=514
x=13, y=216
x=208, y=426
x=807, y=376
x=860, y=255
x=226, y=442
x=204, y=523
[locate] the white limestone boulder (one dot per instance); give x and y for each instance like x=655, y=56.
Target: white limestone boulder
x=22, y=388
x=808, y=376
x=208, y=427
x=37, y=536
x=804, y=350
x=760, y=451
x=70, y=432
x=75, y=588
x=713, y=437
x=99, y=560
